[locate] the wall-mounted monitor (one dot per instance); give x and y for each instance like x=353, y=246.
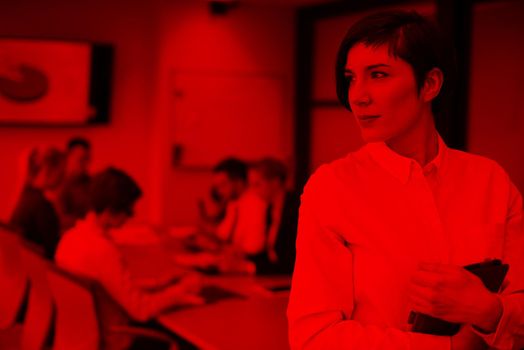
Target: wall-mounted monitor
x=54, y=82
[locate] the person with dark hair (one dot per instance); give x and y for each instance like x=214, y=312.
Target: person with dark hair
x=113, y=192
x=229, y=181
x=89, y=251
x=34, y=215
x=234, y=168
x=243, y=223
x=72, y=199
x=387, y=230
x=232, y=218
x=78, y=141
x=267, y=178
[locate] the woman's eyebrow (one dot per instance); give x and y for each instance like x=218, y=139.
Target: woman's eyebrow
x=370, y=67
x=378, y=65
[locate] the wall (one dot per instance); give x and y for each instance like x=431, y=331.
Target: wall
x=496, y=116
x=152, y=39
x=251, y=39
x=130, y=28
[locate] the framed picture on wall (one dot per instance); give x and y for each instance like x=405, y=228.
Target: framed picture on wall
x=54, y=82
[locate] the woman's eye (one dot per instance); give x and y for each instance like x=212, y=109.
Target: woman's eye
x=349, y=79
x=378, y=75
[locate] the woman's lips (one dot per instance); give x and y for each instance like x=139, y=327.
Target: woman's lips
x=367, y=120
x=368, y=117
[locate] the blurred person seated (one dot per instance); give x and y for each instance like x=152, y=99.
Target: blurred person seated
x=243, y=223
x=88, y=250
x=243, y=232
x=267, y=178
x=34, y=215
x=229, y=181
x=72, y=199
x=237, y=227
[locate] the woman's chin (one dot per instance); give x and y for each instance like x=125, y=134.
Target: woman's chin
x=373, y=136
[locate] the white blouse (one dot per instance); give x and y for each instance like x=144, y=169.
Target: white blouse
x=366, y=222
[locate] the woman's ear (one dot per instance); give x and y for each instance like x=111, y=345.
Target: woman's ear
x=432, y=84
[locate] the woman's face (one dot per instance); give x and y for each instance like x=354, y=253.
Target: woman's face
x=54, y=176
x=382, y=93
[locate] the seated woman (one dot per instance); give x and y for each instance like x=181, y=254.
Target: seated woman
x=88, y=251
x=34, y=215
x=72, y=197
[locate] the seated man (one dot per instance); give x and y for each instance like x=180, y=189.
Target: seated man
x=231, y=210
x=229, y=181
x=267, y=178
x=89, y=251
x=239, y=230
x=243, y=225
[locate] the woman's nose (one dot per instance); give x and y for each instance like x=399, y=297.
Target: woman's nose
x=359, y=95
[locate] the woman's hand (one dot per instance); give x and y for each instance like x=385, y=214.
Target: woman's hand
x=466, y=339
x=455, y=295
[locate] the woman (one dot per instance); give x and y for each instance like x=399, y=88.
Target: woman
x=34, y=215
x=89, y=251
x=387, y=229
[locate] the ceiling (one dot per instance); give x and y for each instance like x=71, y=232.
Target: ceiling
x=281, y=3
x=292, y=3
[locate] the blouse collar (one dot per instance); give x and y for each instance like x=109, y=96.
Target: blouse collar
x=401, y=167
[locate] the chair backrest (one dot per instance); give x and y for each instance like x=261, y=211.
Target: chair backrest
x=39, y=315
x=13, y=278
x=76, y=322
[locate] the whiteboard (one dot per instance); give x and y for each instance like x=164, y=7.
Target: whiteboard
x=221, y=114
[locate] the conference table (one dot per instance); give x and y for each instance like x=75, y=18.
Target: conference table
x=251, y=323
x=244, y=312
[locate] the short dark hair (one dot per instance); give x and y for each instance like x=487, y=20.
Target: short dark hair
x=78, y=142
x=43, y=157
x=114, y=190
x=409, y=36
x=234, y=168
x=271, y=169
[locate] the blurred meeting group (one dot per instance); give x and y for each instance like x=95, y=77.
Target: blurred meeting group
x=164, y=148
x=79, y=221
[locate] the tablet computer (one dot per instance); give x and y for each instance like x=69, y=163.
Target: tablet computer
x=492, y=274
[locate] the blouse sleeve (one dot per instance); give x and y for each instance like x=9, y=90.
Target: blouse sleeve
x=322, y=302
x=510, y=330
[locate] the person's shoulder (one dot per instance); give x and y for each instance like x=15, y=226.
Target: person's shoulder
x=71, y=240
x=341, y=167
x=81, y=240
x=249, y=199
x=33, y=196
x=30, y=203
x=466, y=162
x=335, y=173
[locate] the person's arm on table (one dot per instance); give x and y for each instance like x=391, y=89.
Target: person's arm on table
x=142, y=305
